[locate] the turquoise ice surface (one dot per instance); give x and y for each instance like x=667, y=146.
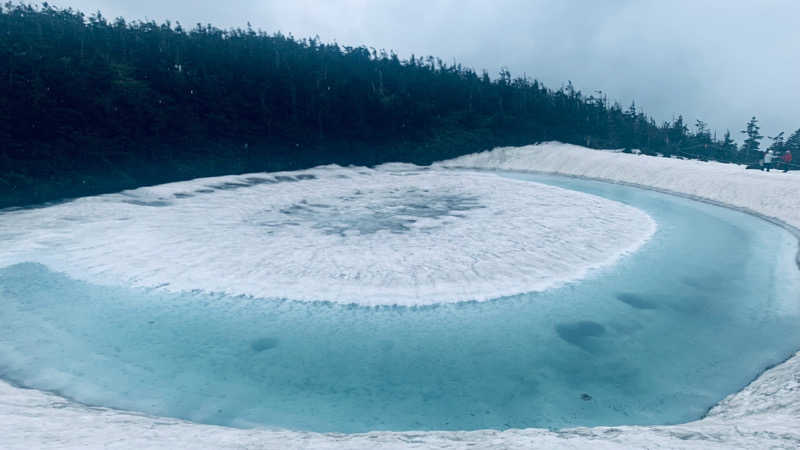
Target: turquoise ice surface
x=694, y=315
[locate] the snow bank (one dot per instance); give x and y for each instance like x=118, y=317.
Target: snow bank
x=393, y=235
x=772, y=194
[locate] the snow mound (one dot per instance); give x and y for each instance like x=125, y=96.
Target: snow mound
x=397, y=234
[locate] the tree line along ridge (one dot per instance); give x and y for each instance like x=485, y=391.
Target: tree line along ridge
x=89, y=105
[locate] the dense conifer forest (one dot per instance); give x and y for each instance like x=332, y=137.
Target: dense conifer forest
x=89, y=105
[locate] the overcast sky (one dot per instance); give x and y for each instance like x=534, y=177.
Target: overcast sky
x=719, y=60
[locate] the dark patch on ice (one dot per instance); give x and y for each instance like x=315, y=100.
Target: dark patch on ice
x=386, y=345
x=228, y=186
x=707, y=282
x=182, y=195
x=396, y=212
x=263, y=344
x=252, y=181
x=636, y=301
x=153, y=203
x=580, y=333
x=294, y=209
x=284, y=178
x=586, y=397
x=204, y=191
x=306, y=176
x=692, y=304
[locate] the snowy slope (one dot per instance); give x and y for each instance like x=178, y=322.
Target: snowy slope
x=766, y=414
x=772, y=194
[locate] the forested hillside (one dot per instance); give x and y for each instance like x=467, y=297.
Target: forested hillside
x=89, y=105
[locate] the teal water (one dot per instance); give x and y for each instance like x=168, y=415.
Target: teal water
x=693, y=316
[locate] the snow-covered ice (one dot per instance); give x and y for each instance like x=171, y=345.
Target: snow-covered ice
x=391, y=235
x=766, y=414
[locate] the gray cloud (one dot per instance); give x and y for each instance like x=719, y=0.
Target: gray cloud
x=719, y=60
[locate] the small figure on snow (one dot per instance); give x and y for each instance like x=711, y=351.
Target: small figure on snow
x=787, y=159
x=768, y=157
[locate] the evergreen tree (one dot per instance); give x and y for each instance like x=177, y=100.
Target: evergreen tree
x=729, y=148
x=702, y=131
x=89, y=105
x=778, y=145
x=793, y=143
x=677, y=136
x=753, y=141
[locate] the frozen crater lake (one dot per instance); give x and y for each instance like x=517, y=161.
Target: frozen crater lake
x=392, y=236
x=395, y=298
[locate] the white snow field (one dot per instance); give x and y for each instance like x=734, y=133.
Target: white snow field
x=393, y=235
x=766, y=414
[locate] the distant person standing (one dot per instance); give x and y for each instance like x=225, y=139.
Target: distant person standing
x=768, y=156
x=787, y=159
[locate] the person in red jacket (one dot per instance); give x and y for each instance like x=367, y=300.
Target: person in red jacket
x=787, y=159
